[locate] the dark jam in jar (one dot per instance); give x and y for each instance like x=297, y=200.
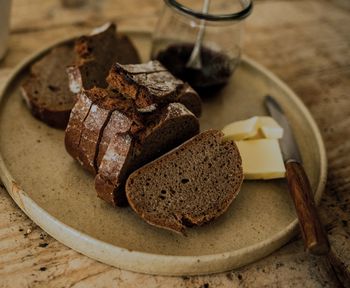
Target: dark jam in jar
x=214, y=74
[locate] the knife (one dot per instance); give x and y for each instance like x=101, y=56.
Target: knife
x=315, y=238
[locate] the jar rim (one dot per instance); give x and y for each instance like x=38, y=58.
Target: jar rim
x=245, y=12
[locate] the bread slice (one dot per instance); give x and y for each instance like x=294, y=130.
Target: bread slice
x=172, y=126
x=115, y=166
x=96, y=53
x=129, y=150
x=81, y=111
x=46, y=91
x=90, y=136
x=118, y=123
x=148, y=83
x=74, y=128
x=191, y=185
x=89, y=118
x=190, y=99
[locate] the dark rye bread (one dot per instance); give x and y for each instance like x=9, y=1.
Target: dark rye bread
x=74, y=128
x=93, y=112
x=187, y=97
x=174, y=125
x=118, y=122
x=91, y=127
x=110, y=135
x=190, y=99
x=95, y=55
x=191, y=185
x=148, y=83
x=151, y=85
x=114, y=169
x=89, y=60
x=77, y=118
x=129, y=150
x=46, y=91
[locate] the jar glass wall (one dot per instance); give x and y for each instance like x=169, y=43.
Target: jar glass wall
x=179, y=28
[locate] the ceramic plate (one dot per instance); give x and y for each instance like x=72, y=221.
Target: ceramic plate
x=58, y=195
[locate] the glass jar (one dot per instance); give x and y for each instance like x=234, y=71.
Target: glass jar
x=216, y=30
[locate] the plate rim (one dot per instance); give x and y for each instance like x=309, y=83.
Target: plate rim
x=182, y=265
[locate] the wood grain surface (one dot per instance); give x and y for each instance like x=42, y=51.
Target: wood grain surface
x=304, y=42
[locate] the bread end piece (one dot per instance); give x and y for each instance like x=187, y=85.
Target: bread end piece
x=146, y=83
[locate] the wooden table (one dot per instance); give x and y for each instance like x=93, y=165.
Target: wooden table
x=305, y=42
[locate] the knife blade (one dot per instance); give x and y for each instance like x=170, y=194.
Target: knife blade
x=315, y=239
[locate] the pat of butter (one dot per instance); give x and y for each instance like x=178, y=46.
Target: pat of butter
x=261, y=159
x=241, y=130
x=269, y=127
x=257, y=127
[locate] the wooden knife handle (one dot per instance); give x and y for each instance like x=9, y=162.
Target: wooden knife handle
x=315, y=239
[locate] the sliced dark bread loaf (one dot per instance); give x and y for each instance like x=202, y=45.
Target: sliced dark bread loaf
x=100, y=113
x=46, y=91
x=191, y=185
x=148, y=83
x=112, y=136
x=96, y=54
x=128, y=151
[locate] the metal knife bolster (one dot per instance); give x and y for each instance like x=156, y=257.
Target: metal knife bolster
x=288, y=143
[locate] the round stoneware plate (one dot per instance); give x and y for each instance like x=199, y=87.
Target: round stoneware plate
x=58, y=195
